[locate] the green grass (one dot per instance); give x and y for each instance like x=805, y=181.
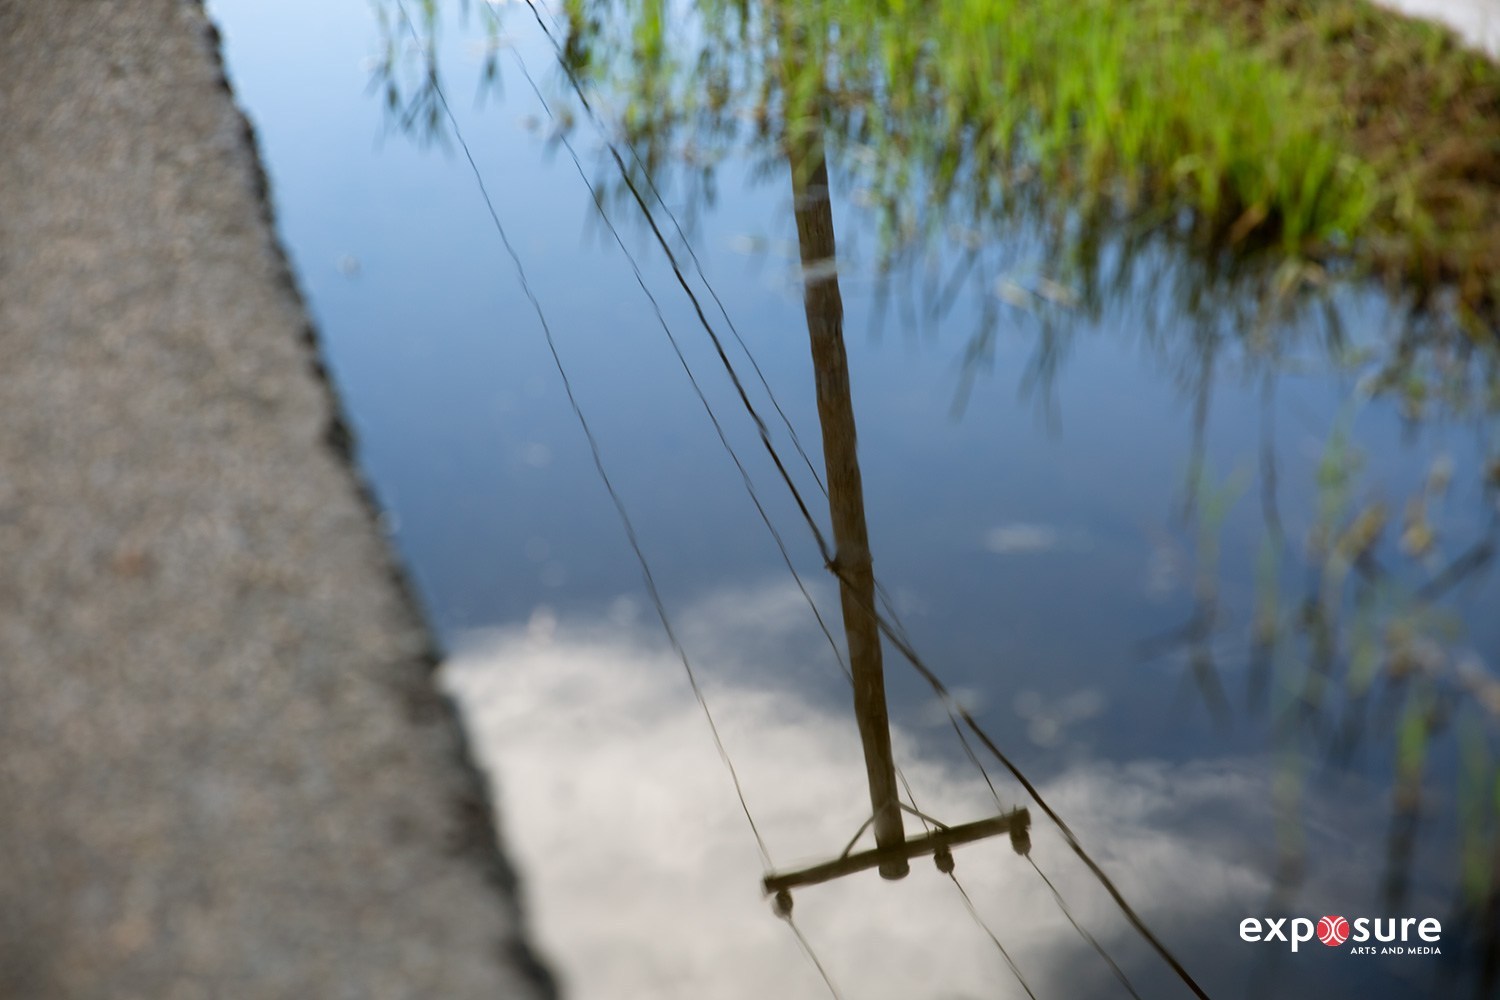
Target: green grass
x=1321, y=130
x=1424, y=113
x=1142, y=102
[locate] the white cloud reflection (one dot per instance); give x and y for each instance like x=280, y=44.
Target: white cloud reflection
x=1019, y=538
x=642, y=878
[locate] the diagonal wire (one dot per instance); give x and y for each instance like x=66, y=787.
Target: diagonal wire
x=625, y=519
x=692, y=378
x=619, y=505
x=973, y=910
x=749, y=486
x=1063, y=905
x=986, y=928
x=733, y=330
x=956, y=709
x=900, y=629
x=812, y=956
x=882, y=623
x=677, y=226
x=1056, y=895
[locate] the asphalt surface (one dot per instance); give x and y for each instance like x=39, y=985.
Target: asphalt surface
x=225, y=770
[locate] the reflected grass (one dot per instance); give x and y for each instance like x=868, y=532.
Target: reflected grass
x=1424, y=112
x=1329, y=134
x=1146, y=105
x=1326, y=131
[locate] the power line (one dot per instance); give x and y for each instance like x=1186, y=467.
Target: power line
x=677, y=226
x=882, y=623
x=1063, y=905
x=749, y=486
x=947, y=869
x=978, y=919
x=734, y=331
x=973, y=911
x=954, y=708
x=812, y=956
x=687, y=369
x=1056, y=895
x=619, y=504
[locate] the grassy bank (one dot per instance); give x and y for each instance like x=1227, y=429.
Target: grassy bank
x=1424, y=113
x=1325, y=129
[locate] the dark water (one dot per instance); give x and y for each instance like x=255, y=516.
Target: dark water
x=1073, y=523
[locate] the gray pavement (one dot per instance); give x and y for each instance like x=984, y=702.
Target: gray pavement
x=224, y=768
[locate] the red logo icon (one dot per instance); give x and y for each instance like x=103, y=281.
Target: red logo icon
x=1333, y=931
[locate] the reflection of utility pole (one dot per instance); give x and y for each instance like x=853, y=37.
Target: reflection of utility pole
x=939, y=843
x=852, y=565
x=824, y=305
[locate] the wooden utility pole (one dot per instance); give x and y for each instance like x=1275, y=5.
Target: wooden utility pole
x=939, y=843
x=823, y=303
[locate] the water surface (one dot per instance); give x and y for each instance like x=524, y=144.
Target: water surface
x=1083, y=507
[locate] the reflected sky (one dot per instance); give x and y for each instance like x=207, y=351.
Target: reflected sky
x=1042, y=520
x=642, y=874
